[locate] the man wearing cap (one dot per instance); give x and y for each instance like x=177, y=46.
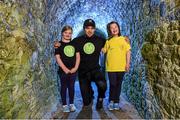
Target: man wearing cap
x=89, y=46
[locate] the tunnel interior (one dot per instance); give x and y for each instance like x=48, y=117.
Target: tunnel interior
x=28, y=70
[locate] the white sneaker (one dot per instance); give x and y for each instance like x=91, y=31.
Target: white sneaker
x=66, y=108
x=111, y=105
x=116, y=106
x=72, y=107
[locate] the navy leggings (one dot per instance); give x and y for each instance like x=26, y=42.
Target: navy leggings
x=115, y=80
x=67, y=82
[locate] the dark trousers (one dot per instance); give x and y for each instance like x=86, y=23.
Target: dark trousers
x=85, y=80
x=67, y=82
x=115, y=80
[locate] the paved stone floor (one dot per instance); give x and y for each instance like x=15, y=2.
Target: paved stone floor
x=127, y=110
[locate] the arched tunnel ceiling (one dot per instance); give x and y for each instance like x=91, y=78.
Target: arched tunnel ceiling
x=74, y=12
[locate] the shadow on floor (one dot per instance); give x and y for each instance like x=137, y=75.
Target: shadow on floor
x=127, y=110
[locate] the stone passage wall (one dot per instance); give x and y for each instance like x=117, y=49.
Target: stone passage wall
x=146, y=86
x=162, y=52
x=27, y=87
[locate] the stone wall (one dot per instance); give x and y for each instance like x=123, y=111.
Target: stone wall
x=144, y=17
x=141, y=82
x=162, y=53
x=27, y=86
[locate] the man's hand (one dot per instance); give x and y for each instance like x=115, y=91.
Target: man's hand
x=127, y=67
x=73, y=70
x=57, y=44
x=127, y=39
x=103, y=50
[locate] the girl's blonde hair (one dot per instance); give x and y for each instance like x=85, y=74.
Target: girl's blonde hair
x=67, y=27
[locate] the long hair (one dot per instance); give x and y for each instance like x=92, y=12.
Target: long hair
x=109, y=31
x=67, y=27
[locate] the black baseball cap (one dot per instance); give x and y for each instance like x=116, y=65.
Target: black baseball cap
x=89, y=22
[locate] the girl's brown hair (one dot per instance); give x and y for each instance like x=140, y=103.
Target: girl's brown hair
x=109, y=31
x=67, y=27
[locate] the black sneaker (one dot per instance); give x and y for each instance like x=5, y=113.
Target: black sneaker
x=99, y=103
x=92, y=97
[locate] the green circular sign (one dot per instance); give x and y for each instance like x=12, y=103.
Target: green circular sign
x=69, y=51
x=89, y=48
